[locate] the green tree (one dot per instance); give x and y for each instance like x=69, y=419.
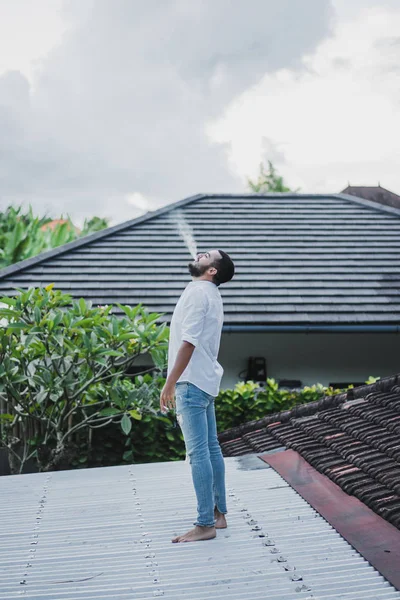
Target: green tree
x=94, y=224
x=62, y=370
x=268, y=181
x=23, y=235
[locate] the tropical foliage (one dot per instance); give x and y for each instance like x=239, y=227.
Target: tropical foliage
x=66, y=399
x=23, y=235
x=62, y=370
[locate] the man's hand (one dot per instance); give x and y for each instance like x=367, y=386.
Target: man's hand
x=167, y=397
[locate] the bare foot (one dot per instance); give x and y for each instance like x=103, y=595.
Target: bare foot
x=220, y=522
x=196, y=534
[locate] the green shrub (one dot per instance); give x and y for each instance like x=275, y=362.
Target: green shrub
x=249, y=402
x=159, y=438
x=22, y=235
x=62, y=368
x=67, y=397
x=155, y=438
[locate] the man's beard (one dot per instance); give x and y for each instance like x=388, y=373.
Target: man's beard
x=196, y=269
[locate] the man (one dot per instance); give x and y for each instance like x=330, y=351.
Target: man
x=194, y=376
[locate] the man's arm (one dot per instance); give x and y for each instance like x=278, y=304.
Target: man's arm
x=192, y=327
x=167, y=398
x=181, y=362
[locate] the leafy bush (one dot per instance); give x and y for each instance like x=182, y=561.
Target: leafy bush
x=248, y=401
x=62, y=370
x=67, y=400
x=155, y=438
x=159, y=438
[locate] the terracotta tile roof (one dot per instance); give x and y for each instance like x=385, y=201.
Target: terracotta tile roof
x=351, y=438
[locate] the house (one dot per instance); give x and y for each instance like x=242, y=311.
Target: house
x=342, y=455
x=374, y=193
x=316, y=290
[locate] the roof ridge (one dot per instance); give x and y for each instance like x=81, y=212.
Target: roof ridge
x=87, y=239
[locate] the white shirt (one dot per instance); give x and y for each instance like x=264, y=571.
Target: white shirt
x=198, y=319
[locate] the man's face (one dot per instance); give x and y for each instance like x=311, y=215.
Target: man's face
x=204, y=260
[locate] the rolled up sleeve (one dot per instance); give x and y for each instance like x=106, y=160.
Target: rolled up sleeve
x=194, y=313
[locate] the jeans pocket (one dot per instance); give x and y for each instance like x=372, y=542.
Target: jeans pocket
x=181, y=390
x=196, y=397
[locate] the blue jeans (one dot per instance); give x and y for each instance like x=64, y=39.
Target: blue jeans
x=195, y=413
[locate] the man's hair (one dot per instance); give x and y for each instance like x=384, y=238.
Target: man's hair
x=225, y=268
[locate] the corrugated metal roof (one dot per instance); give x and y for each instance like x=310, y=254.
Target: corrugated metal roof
x=106, y=533
x=300, y=259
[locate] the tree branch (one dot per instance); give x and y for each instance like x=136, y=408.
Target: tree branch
x=99, y=426
x=94, y=379
x=9, y=449
x=81, y=424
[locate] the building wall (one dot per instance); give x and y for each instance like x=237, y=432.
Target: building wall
x=312, y=358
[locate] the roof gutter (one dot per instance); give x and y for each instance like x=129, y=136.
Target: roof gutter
x=311, y=328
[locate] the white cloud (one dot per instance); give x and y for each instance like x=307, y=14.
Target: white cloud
x=138, y=200
x=120, y=104
x=337, y=120
x=29, y=29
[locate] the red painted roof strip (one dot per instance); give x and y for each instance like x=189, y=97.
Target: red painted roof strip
x=374, y=538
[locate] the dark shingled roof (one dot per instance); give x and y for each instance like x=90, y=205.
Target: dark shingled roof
x=374, y=193
x=352, y=438
x=301, y=260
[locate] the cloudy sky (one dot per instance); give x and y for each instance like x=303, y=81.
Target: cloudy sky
x=115, y=107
